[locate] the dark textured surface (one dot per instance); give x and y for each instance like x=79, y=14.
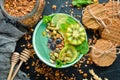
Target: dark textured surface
x=112, y=72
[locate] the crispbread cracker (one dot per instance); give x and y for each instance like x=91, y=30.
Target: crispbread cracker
x=101, y=11
x=103, y=53
x=112, y=8
x=114, y=32
x=88, y=20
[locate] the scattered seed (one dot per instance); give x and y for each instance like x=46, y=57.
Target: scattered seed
x=52, y=61
x=29, y=45
x=54, y=7
x=56, y=54
x=85, y=75
x=27, y=67
x=88, y=62
x=86, y=65
x=48, y=2
x=27, y=37
x=62, y=6
x=80, y=71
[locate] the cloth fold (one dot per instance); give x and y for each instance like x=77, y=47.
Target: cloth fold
x=9, y=34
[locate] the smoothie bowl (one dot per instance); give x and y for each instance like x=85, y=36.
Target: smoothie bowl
x=60, y=40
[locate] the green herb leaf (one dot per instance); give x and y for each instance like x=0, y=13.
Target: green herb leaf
x=89, y=1
x=47, y=19
x=69, y=21
x=74, y=3
x=80, y=3
x=59, y=63
x=83, y=48
x=63, y=27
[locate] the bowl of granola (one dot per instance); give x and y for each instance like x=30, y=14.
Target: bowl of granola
x=60, y=40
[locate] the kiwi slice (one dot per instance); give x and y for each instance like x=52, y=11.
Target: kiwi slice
x=75, y=34
x=68, y=54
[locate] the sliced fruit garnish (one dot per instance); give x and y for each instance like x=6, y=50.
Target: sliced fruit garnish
x=57, y=17
x=64, y=22
x=68, y=54
x=75, y=34
x=62, y=25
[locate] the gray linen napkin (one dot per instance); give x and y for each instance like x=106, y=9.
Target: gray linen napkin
x=9, y=34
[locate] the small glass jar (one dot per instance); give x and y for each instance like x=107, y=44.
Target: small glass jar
x=28, y=18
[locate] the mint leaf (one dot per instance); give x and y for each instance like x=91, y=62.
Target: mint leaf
x=89, y=2
x=47, y=19
x=74, y=3
x=83, y=48
x=63, y=27
x=80, y=3
x=59, y=63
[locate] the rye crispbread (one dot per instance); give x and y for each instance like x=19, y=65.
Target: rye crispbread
x=103, y=53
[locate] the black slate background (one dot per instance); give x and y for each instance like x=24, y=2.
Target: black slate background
x=112, y=72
